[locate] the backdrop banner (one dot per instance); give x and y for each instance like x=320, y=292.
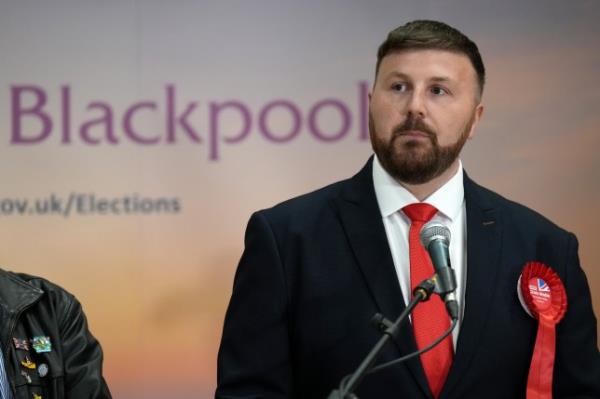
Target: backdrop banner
x=138, y=136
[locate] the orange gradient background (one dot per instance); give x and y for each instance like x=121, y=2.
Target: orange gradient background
x=155, y=287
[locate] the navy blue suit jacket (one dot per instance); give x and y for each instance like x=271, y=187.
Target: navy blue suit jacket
x=316, y=268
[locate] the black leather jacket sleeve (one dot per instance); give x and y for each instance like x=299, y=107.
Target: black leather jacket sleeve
x=82, y=356
x=71, y=366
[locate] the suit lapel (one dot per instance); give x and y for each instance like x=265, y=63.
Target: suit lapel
x=364, y=228
x=484, y=227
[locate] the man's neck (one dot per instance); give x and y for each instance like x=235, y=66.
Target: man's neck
x=422, y=191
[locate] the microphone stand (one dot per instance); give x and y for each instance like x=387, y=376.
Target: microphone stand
x=420, y=294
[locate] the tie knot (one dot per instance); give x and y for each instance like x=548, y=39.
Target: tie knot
x=419, y=212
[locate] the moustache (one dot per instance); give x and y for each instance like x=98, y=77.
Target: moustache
x=414, y=124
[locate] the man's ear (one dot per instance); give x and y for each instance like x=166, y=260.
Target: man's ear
x=476, y=118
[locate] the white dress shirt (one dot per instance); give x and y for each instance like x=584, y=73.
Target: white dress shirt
x=450, y=203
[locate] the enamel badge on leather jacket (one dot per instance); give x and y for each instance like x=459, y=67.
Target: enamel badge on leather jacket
x=48, y=350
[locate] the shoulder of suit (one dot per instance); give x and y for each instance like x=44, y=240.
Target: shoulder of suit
x=309, y=200
x=306, y=206
x=519, y=214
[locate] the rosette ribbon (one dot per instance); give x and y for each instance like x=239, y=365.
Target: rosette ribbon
x=544, y=295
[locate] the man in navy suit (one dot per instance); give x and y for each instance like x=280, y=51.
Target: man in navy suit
x=316, y=268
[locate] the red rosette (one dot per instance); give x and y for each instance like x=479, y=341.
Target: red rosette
x=554, y=308
x=544, y=295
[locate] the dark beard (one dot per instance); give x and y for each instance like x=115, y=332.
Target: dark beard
x=410, y=164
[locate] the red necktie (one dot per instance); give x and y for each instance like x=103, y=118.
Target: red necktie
x=429, y=319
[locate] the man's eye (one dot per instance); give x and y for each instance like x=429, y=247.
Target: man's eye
x=399, y=87
x=438, y=91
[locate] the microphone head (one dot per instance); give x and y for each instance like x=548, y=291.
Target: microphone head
x=434, y=231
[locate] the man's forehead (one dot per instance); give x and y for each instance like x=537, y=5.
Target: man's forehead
x=440, y=64
x=393, y=73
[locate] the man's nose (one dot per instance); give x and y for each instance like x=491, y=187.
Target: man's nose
x=416, y=104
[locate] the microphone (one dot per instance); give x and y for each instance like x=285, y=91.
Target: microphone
x=435, y=237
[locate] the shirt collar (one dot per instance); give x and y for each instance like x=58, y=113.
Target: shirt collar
x=392, y=197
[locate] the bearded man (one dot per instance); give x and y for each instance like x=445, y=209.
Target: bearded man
x=316, y=268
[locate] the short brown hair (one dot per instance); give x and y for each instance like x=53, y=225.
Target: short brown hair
x=423, y=34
